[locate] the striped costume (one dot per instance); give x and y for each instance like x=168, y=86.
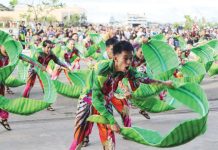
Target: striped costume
x=71, y=56
x=100, y=99
x=43, y=59
x=4, y=60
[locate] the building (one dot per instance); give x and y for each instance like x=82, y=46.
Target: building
x=4, y=8
x=11, y=18
x=136, y=19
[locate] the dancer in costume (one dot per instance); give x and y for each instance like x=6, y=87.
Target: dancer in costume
x=107, y=76
x=139, y=63
x=4, y=61
x=108, y=54
x=43, y=58
x=70, y=56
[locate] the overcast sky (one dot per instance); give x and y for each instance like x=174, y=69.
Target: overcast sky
x=155, y=10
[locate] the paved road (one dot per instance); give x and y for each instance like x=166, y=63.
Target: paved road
x=54, y=130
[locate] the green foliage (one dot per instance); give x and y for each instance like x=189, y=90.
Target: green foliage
x=41, y=10
x=48, y=19
x=160, y=57
x=13, y=3
x=193, y=97
x=73, y=20
x=188, y=22
x=176, y=25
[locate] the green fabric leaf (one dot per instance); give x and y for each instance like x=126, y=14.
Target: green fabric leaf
x=4, y=37
x=25, y=106
x=147, y=90
x=204, y=52
x=160, y=56
x=213, y=69
x=14, y=82
x=192, y=72
x=102, y=46
x=68, y=90
x=213, y=44
x=192, y=96
x=152, y=104
x=192, y=69
x=216, y=58
x=208, y=65
x=81, y=48
x=182, y=43
x=98, y=119
x=13, y=49
x=22, y=69
x=96, y=38
x=22, y=106
x=50, y=93
x=159, y=37
x=82, y=78
x=91, y=50
x=57, y=49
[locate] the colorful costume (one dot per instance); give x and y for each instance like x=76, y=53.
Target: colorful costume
x=102, y=97
x=71, y=56
x=4, y=60
x=137, y=62
x=43, y=59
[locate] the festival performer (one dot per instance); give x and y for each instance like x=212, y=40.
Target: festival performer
x=43, y=57
x=98, y=100
x=4, y=60
x=71, y=57
x=139, y=63
x=108, y=54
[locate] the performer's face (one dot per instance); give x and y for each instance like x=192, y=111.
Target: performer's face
x=48, y=48
x=109, y=50
x=179, y=52
x=75, y=37
x=139, y=54
x=123, y=61
x=71, y=43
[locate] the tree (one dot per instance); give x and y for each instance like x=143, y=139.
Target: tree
x=75, y=19
x=48, y=19
x=37, y=9
x=13, y=3
x=176, y=25
x=83, y=19
x=189, y=22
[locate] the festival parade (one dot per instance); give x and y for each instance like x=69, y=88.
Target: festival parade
x=68, y=82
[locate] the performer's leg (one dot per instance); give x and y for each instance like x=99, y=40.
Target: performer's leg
x=41, y=84
x=90, y=125
x=56, y=73
x=81, y=125
x=30, y=82
x=107, y=136
x=68, y=78
x=4, y=115
x=122, y=106
x=76, y=65
x=89, y=129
